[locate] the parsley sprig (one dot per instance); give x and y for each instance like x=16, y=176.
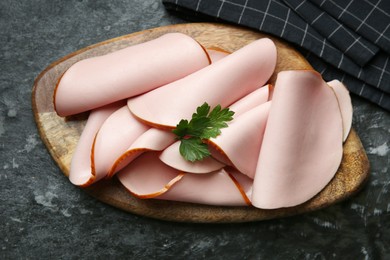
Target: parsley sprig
x=203, y=125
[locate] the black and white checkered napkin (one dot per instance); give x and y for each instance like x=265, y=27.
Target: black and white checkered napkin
x=345, y=40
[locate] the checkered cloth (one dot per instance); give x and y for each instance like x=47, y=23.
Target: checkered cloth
x=348, y=41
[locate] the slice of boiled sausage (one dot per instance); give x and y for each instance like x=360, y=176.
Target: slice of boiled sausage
x=98, y=81
x=172, y=157
x=253, y=99
x=114, y=137
x=152, y=140
x=148, y=177
x=223, y=82
x=302, y=144
x=218, y=188
x=345, y=104
x=81, y=173
x=241, y=141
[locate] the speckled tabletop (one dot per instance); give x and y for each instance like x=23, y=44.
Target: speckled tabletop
x=44, y=217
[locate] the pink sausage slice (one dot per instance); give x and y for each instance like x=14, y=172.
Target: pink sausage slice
x=216, y=188
x=81, y=169
x=250, y=101
x=147, y=177
x=243, y=182
x=253, y=99
x=223, y=82
x=98, y=81
x=302, y=145
x=345, y=103
x=114, y=137
x=241, y=141
x=152, y=140
x=172, y=157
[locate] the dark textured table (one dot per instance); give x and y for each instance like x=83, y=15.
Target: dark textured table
x=43, y=216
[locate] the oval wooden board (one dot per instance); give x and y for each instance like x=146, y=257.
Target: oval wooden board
x=61, y=135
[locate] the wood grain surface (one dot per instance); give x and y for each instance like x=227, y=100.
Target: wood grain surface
x=61, y=135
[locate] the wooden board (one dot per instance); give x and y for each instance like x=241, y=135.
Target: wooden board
x=61, y=135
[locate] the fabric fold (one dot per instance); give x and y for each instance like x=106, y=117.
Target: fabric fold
x=369, y=18
x=350, y=43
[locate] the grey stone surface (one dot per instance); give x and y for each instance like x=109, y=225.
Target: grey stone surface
x=42, y=216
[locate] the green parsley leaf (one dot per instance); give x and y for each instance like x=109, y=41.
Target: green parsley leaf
x=203, y=125
x=181, y=128
x=193, y=149
x=218, y=118
x=201, y=111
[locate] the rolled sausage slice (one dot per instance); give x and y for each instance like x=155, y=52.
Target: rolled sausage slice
x=302, y=144
x=218, y=188
x=81, y=173
x=98, y=81
x=345, y=104
x=172, y=157
x=253, y=99
x=152, y=140
x=241, y=142
x=223, y=82
x=148, y=177
x=114, y=137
